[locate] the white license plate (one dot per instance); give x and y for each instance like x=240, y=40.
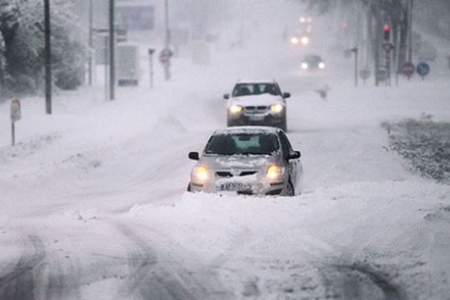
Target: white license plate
x=234, y=186
x=257, y=118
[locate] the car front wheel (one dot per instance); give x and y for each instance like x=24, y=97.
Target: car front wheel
x=289, y=192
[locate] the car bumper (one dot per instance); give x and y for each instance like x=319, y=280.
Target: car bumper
x=239, y=186
x=257, y=119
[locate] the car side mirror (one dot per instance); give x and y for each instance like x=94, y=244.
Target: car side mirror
x=286, y=95
x=194, y=155
x=295, y=155
x=226, y=96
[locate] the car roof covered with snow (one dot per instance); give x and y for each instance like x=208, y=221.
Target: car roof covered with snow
x=246, y=129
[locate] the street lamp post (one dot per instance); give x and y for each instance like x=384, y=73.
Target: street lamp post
x=48, y=61
x=90, y=33
x=355, y=50
x=112, y=40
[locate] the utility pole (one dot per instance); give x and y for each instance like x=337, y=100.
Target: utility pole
x=48, y=58
x=112, y=40
x=91, y=21
x=167, y=23
x=410, y=9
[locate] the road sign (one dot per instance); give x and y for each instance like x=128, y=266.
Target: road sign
x=364, y=73
x=423, y=69
x=388, y=47
x=408, y=68
x=165, y=55
x=15, y=110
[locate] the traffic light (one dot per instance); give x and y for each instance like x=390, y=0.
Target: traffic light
x=387, y=32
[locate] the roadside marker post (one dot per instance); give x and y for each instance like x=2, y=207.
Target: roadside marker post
x=15, y=116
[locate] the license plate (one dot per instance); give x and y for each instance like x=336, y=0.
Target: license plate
x=234, y=186
x=257, y=118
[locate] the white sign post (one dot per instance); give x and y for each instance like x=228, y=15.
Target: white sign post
x=15, y=116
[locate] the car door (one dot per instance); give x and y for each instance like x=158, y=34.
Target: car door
x=292, y=163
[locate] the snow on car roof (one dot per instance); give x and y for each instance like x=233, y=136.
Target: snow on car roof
x=256, y=81
x=246, y=129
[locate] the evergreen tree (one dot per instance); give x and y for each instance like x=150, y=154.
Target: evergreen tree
x=22, y=30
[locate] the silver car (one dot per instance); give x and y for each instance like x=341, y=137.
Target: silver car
x=247, y=160
x=257, y=102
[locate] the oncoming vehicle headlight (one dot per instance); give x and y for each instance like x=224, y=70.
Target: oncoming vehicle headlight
x=276, y=108
x=274, y=171
x=305, y=40
x=235, y=108
x=321, y=65
x=304, y=66
x=200, y=173
x=294, y=40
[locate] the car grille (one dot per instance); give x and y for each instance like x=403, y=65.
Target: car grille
x=227, y=174
x=256, y=109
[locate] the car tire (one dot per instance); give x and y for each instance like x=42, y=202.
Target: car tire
x=189, y=187
x=289, y=192
x=231, y=123
x=283, y=124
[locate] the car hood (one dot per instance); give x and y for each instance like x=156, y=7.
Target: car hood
x=255, y=100
x=238, y=162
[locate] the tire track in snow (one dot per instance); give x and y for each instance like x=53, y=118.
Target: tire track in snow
x=354, y=282
x=18, y=283
x=156, y=275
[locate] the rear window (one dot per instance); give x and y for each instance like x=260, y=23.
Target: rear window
x=242, y=144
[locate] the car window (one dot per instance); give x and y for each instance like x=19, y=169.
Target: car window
x=242, y=144
x=245, y=89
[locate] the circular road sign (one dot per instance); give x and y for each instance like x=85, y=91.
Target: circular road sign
x=408, y=68
x=423, y=69
x=364, y=73
x=165, y=55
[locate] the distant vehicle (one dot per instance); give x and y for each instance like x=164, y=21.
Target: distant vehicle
x=247, y=160
x=313, y=62
x=300, y=36
x=257, y=102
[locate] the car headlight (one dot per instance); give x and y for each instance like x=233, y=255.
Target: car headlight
x=235, y=108
x=321, y=65
x=294, y=40
x=274, y=171
x=304, y=66
x=200, y=173
x=276, y=108
x=305, y=40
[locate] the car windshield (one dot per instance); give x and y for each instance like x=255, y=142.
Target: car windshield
x=246, y=89
x=242, y=144
x=312, y=59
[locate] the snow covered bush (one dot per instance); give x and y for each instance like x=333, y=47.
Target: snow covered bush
x=22, y=29
x=425, y=144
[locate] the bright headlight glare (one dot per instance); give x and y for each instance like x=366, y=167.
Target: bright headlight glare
x=321, y=65
x=305, y=40
x=294, y=41
x=201, y=173
x=276, y=108
x=304, y=66
x=235, y=108
x=274, y=171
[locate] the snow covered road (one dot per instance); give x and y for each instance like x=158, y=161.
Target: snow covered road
x=94, y=204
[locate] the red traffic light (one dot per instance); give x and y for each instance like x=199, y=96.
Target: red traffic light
x=387, y=31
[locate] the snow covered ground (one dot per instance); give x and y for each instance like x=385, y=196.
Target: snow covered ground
x=93, y=201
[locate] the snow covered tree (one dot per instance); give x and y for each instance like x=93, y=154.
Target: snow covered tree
x=22, y=29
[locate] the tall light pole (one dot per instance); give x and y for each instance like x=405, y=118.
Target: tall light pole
x=410, y=9
x=91, y=21
x=167, y=23
x=112, y=40
x=48, y=58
